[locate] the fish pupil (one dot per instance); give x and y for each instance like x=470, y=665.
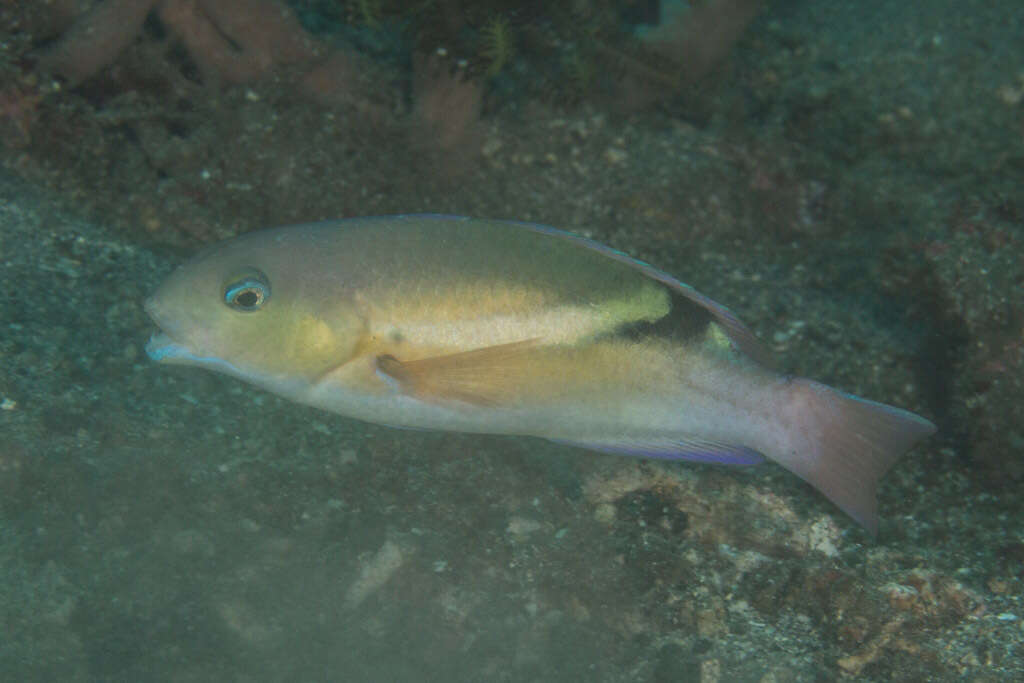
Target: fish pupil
x=247, y=298
x=247, y=295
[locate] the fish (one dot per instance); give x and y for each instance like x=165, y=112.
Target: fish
x=503, y=327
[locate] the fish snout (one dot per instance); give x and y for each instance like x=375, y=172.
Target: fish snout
x=160, y=346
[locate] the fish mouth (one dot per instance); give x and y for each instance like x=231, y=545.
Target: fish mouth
x=164, y=348
x=161, y=347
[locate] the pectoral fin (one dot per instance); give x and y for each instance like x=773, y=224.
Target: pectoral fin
x=481, y=377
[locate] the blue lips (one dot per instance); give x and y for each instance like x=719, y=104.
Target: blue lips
x=163, y=349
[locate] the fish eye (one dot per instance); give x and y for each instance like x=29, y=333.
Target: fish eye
x=248, y=293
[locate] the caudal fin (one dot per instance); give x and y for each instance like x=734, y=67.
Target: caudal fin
x=842, y=444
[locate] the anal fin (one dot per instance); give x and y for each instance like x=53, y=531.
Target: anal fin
x=667, y=448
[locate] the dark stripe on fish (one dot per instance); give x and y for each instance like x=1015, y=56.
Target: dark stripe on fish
x=686, y=322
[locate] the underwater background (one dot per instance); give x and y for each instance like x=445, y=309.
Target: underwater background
x=848, y=177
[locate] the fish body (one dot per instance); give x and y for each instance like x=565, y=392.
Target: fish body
x=469, y=325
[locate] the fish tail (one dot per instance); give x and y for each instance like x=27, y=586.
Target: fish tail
x=842, y=444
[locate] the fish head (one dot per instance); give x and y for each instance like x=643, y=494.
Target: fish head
x=258, y=309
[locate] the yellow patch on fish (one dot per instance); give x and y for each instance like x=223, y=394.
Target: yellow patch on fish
x=504, y=316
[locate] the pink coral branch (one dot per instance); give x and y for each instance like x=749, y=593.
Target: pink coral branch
x=97, y=38
x=238, y=40
x=447, y=103
x=701, y=38
x=233, y=40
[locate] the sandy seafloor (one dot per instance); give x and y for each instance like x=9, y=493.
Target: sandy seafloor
x=853, y=190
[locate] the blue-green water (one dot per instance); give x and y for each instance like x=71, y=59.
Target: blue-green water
x=847, y=179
